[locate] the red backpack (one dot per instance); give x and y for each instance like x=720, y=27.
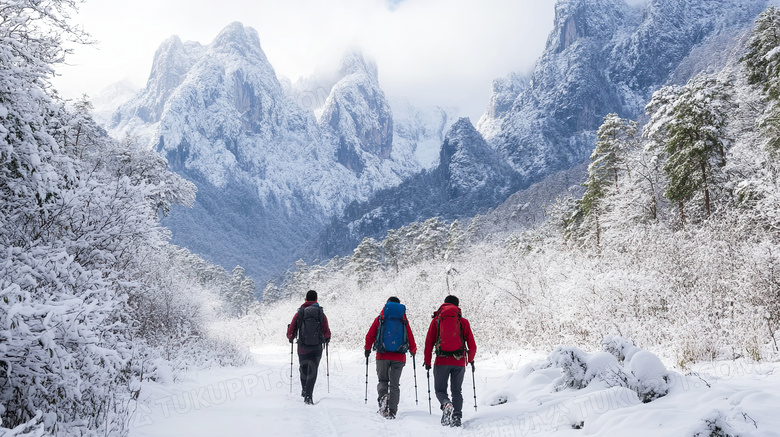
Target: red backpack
x=450, y=341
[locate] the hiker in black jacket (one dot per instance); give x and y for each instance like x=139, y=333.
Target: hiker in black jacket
x=310, y=326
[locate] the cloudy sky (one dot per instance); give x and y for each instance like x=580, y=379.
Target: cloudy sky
x=443, y=52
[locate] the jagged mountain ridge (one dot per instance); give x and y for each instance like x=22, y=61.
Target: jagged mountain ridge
x=269, y=172
x=470, y=177
x=602, y=56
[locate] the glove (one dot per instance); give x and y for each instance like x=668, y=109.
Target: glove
x=427, y=366
x=327, y=340
x=368, y=352
x=412, y=353
x=472, y=366
x=291, y=340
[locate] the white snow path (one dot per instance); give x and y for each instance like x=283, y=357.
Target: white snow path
x=256, y=400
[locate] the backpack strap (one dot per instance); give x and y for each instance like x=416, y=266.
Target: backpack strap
x=378, y=345
x=299, y=323
x=322, y=320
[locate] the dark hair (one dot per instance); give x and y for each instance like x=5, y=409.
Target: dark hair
x=451, y=299
x=393, y=299
x=311, y=296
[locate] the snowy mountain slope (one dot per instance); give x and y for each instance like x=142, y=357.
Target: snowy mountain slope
x=422, y=129
x=269, y=173
x=603, y=56
x=469, y=179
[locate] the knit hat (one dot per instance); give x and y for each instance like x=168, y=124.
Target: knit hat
x=311, y=296
x=451, y=299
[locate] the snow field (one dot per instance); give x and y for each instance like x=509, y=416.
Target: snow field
x=733, y=397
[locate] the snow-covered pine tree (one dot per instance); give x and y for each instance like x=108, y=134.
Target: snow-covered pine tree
x=762, y=62
x=607, y=160
x=241, y=294
x=689, y=124
x=366, y=258
x=392, y=246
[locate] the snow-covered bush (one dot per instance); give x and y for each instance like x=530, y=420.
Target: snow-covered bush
x=641, y=371
x=648, y=376
x=579, y=368
x=621, y=348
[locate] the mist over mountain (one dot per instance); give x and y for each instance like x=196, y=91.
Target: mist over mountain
x=470, y=178
x=270, y=172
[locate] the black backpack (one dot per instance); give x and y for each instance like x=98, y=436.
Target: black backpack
x=310, y=325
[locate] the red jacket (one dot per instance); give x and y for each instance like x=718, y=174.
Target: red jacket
x=430, y=341
x=292, y=328
x=394, y=356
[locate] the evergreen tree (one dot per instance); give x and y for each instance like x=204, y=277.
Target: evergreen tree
x=762, y=62
x=689, y=123
x=367, y=258
x=614, y=138
x=241, y=295
x=392, y=246
x=455, y=241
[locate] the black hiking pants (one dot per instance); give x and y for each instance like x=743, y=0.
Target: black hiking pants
x=442, y=375
x=309, y=364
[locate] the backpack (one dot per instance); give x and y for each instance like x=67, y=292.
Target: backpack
x=310, y=325
x=450, y=341
x=391, y=334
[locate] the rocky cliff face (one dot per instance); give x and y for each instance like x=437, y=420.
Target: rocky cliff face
x=269, y=173
x=357, y=116
x=469, y=179
x=602, y=56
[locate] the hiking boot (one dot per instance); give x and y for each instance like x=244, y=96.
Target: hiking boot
x=384, y=408
x=308, y=400
x=446, y=414
x=303, y=392
x=390, y=415
x=455, y=421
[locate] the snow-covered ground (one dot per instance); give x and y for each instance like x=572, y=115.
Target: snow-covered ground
x=734, y=397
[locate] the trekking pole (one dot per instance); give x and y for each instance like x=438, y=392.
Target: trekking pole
x=291, y=362
x=474, y=385
x=430, y=411
x=366, y=380
x=414, y=367
x=327, y=367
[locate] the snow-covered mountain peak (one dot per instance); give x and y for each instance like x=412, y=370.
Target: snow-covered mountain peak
x=576, y=19
x=172, y=61
x=255, y=149
x=354, y=62
x=357, y=115
x=239, y=39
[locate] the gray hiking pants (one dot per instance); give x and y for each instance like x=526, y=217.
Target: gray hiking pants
x=454, y=375
x=389, y=374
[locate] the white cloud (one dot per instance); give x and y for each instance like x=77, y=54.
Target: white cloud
x=432, y=51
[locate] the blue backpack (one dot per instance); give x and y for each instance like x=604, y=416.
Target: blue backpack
x=391, y=335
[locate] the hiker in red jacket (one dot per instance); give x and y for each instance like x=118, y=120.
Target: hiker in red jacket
x=450, y=335
x=391, y=336
x=310, y=326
